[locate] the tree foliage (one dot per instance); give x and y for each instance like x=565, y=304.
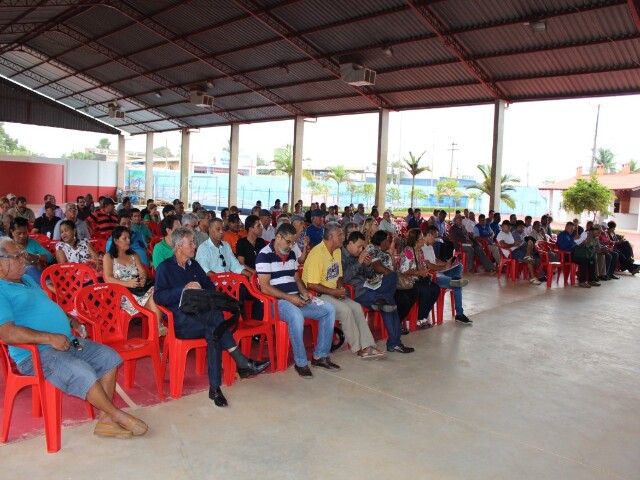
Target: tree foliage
x=10, y=145
x=283, y=162
x=505, y=185
x=104, y=143
x=394, y=196
x=448, y=188
x=79, y=156
x=633, y=165
x=163, y=152
x=412, y=165
x=367, y=190
x=339, y=175
x=605, y=157
x=589, y=195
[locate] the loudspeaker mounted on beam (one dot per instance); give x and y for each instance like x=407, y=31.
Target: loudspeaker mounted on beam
x=115, y=111
x=198, y=96
x=357, y=75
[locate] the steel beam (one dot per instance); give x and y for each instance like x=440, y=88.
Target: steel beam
x=634, y=7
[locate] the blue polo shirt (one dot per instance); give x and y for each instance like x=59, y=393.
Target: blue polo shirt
x=27, y=305
x=565, y=242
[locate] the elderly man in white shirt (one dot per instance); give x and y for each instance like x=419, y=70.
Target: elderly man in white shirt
x=71, y=213
x=386, y=224
x=469, y=222
x=215, y=255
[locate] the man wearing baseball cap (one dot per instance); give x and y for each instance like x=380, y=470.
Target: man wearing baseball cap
x=315, y=231
x=104, y=219
x=268, y=232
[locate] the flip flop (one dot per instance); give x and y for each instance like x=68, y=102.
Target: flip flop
x=109, y=430
x=136, y=426
x=370, y=353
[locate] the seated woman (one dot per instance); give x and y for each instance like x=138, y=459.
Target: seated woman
x=369, y=227
x=153, y=215
x=5, y=225
x=623, y=248
x=413, y=264
x=71, y=250
x=122, y=266
x=35, y=254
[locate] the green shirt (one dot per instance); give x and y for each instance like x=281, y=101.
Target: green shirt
x=143, y=230
x=161, y=252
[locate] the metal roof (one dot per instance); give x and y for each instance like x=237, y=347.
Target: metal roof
x=274, y=59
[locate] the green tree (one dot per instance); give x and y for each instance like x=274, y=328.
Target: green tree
x=633, y=165
x=505, y=185
x=353, y=189
x=420, y=195
x=397, y=172
x=605, y=157
x=394, y=196
x=339, y=175
x=163, y=152
x=448, y=188
x=80, y=156
x=589, y=195
x=10, y=145
x=104, y=143
x=473, y=197
x=323, y=190
x=367, y=190
x=412, y=165
x=261, y=162
x=283, y=162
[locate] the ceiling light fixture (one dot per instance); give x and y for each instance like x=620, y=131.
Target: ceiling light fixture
x=388, y=51
x=158, y=94
x=210, y=84
x=538, y=27
x=284, y=69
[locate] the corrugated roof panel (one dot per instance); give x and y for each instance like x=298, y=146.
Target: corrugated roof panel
x=259, y=57
x=53, y=43
x=233, y=35
x=131, y=39
x=198, y=14
x=111, y=72
x=316, y=108
x=424, y=76
x=161, y=57
x=300, y=72
x=83, y=58
x=140, y=84
x=99, y=21
x=326, y=89
x=441, y=96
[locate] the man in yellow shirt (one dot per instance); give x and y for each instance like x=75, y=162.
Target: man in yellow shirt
x=323, y=274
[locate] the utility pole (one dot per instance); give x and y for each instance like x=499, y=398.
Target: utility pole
x=595, y=138
x=452, y=149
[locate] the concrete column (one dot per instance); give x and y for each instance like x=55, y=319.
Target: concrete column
x=148, y=168
x=298, y=146
x=496, y=155
x=121, y=159
x=184, y=168
x=382, y=158
x=234, y=152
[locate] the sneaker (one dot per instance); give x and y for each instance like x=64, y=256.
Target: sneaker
x=462, y=318
x=459, y=282
x=535, y=281
x=304, y=372
x=400, y=348
x=593, y=283
x=584, y=285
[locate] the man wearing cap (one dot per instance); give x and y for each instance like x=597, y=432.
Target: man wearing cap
x=12, y=200
x=268, y=232
x=235, y=232
x=315, y=231
x=48, y=198
x=360, y=216
x=301, y=248
x=104, y=219
x=46, y=223
x=605, y=264
x=21, y=210
x=71, y=213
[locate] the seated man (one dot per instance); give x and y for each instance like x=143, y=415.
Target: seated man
x=277, y=270
x=623, y=248
x=201, y=234
x=606, y=259
x=104, y=219
x=249, y=247
x=470, y=245
x=566, y=243
x=78, y=367
x=71, y=213
x=21, y=210
x=416, y=220
x=469, y=222
x=139, y=227
x=162, y=250
x=215, y=255
x=323, y=274
x=517, y=249
x=179, y=273
x=443, y=247
x=386, y=225
x=315, y=230
x=268, y=231
x=370, y=272
x=235, y=232
x=46, y=223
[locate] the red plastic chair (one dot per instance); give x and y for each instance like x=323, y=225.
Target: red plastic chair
x=506, y=261
x=154, y=227
x=437, y=313
x=46, y=399
x=67, y=280
x=370, y=314
x=230, y=284
x=569, y=268
x=175, y=351
x=99, y=306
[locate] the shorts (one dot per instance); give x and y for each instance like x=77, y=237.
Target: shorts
x=75, y=371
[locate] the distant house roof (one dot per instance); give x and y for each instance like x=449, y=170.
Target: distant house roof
x=625, y=180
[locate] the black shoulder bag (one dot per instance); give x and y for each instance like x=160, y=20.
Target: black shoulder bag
x=202, y=302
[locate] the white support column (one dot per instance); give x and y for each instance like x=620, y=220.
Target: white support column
x=148, y=168
x=496, y=155
x=121, y=162
x=185, y=168
x=234, y=155
x=298, y=147
x=382, y=158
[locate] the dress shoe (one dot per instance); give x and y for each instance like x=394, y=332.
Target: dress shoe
x=324, y=362
x=217, y=396
x=253, y=368
x=304, y=372
x=593, y=283
x=400, y=348
x=614, y=277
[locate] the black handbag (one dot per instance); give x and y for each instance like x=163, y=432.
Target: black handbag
x=202, y=302
x=140, y=291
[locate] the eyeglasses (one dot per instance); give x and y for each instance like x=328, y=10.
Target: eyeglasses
x=288, y=242
x=224, y=263
x=14, y=256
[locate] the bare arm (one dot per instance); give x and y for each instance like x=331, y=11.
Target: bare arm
x=107, y=274
x=61, y=257
x=13, y=334
x=268, y=289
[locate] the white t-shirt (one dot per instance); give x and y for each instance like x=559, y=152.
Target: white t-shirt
x=468, y=225
x=429, y=254
x=508, y=239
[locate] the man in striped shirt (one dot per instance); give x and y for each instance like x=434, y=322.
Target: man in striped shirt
x=277, y=270
x=103, y=220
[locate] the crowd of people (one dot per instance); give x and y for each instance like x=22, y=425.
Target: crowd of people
x=316, y=263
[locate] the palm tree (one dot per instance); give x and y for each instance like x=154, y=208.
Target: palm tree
x=339, y=175
x=283, y=162
x=413, y=167
x=605, y=157
x=485, y=186
x=634, y=167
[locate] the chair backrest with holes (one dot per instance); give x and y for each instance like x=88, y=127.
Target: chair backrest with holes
x=67, y=280
x=99, y=305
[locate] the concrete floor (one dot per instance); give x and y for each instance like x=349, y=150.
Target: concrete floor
x=545, y=385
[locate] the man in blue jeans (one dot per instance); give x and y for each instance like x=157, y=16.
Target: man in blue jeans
x=277, y=269
x=179, y=273
x=374, y=282
x=449, y=275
